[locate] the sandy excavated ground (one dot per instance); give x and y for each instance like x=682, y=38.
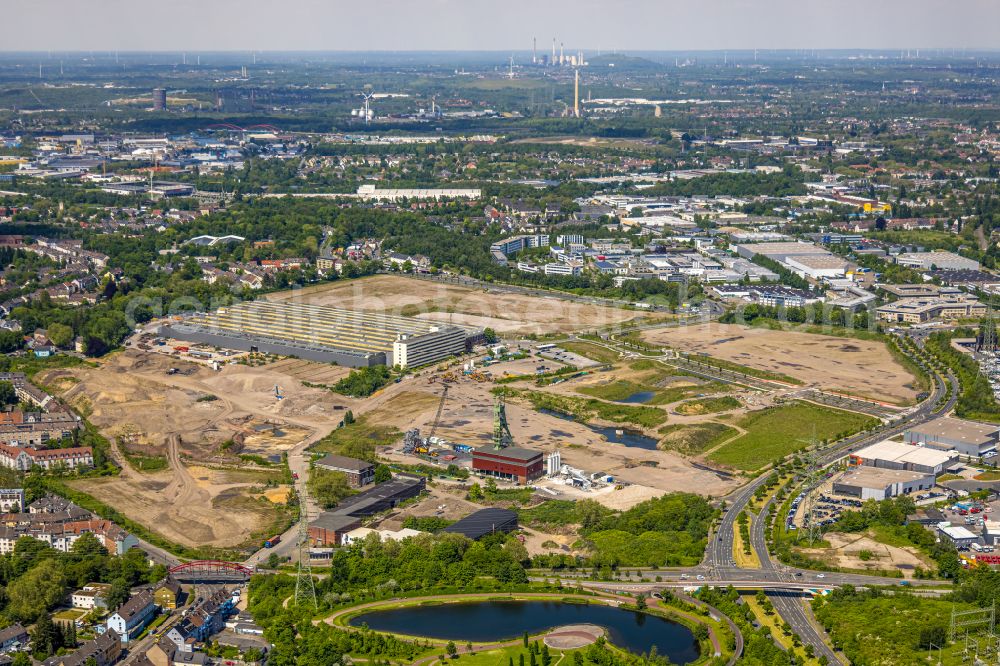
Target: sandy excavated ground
x=845, y=548
x=131, y=392
x=133, y=389
x=467, y=418
x=505, y=313
x=858, y=367
x=193, y=505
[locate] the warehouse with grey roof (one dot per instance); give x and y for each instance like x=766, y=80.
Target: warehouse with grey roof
x=325, y=334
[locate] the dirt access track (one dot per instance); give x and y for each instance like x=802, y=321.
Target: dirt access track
x=467, y=417
x=503, y=312
x=131, y=391
x=858, y=367
x=190, y=504
x=845, y=551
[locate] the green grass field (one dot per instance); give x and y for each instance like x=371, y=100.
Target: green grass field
x=357, y=440
x=693, y=439
x=142, y=463
x=593, y=352
x=500, y=656
x=776, y=432
x=617, y=391
x=888, y=630
x=586, y=410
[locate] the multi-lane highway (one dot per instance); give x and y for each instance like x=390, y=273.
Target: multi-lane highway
x=783, y=584
x=787, y=587
x=778, y=580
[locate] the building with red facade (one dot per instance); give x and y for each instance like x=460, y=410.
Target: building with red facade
x=512, y=463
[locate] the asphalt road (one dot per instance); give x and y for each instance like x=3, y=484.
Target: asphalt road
x=298, y=463
x=785, y=585
x=788, y=604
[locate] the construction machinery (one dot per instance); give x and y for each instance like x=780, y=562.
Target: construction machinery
x=412, y=440
x=437, y=414
x=413, y=443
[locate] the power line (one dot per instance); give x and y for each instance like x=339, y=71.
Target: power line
x=305, y=586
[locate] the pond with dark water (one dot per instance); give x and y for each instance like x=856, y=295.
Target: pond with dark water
x=616, y=435
x=639, y=398
x=492, y=621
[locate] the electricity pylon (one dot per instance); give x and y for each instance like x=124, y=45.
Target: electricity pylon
x=305, y=586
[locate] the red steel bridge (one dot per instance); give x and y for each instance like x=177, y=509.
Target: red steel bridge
x=211, y=571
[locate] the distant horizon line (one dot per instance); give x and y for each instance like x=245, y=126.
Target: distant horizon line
x=575, y=49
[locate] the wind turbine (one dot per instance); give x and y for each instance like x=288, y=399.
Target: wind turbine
x=367, y=96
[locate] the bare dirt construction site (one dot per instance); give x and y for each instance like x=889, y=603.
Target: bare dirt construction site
x=133, y=391
x=858, y=367
x=467, y=417
x=424, y=299
x=191, y=505
x=153, y=405
x=861, y=552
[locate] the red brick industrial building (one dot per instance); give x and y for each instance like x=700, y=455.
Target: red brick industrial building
x=512, y=463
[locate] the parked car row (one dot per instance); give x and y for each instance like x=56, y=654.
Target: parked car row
x=790, y=520
x=842, y=502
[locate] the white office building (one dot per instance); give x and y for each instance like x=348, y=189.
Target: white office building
x=411, y=351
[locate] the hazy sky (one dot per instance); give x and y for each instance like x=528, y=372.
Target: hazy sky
x=495, y=24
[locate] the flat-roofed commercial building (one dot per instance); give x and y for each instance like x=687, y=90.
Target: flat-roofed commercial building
x=919, y=310
x=778, y=295
x=370, y=193
x=515, y=244
x=511, y=463
x=927, y=290
x=817, y=266
x=940, y=259
x=968, y=438
x=413, y=351
x=878, y=484
x=895, y=455
x=382, y=496
x=329, y=528
x=958, y=535
x=325, y=334
x=779, y=251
